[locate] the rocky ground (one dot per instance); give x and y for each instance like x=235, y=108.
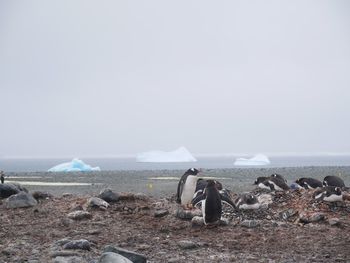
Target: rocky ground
x=291, y=228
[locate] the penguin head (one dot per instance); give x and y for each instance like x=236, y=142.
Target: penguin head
x=337, y=191
x=259, y=180
x=278, y=176
x=211, y=183
x=192, y=171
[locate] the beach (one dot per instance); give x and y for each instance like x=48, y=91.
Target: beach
x=146, y=220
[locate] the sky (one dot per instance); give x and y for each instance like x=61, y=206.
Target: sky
x=107, y=78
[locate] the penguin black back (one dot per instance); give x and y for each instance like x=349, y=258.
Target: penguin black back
x=213, y=206
x=309, y=183
x=333, y=180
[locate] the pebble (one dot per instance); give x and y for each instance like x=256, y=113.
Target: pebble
x=79, y=215
x=68, y=260
x=187, y=214
x=334, y=221
x=250, y=223
x=96, y=202
x=78, y=244
x=187, y=244
x=161, y=213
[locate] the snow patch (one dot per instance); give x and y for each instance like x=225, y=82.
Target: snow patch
x=179, y=155
x=75, y=165
x=259, y=159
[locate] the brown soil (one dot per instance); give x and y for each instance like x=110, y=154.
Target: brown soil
x=28, y=234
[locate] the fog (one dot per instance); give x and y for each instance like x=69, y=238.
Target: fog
x=107, y=78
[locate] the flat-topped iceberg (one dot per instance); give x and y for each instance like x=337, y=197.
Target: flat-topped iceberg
x=179, y=155
x=75, y=165
x=259, y=159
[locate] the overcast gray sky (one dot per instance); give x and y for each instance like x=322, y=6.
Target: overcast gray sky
x=97, y=78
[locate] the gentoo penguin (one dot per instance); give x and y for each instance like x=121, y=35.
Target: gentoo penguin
x=2, y=178
x=247, y=201
x=274, y=184
x=278, y=176
x=186, y=187
x=211, y=200
x=202, y=183
x=329, y=194
x=260, y=180
x=333, y=180
x=309, y=183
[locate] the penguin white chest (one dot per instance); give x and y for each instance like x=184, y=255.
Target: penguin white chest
x=188, y=189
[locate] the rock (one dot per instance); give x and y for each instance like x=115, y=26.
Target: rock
x=224, y=221
x=197, y=221
x=287, y=214
x=141, y=196
x=41, y=195
x=68, y=260
x=109, y=196
x=132, y=256
x=161, y=213
x=96, y=202
x=79, y=215
x=62, y=242
x=187, y=244
x=311, y=218
x=78, y=244
x=334, y=221
x=55, y=254
x=8, y=189
x=187, y=214
x=110, y=257
x=250, y=223
x=22, y=199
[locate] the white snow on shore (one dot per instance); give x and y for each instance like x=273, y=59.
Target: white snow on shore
x=179, y=155
x=75, y=165
x=259, y=159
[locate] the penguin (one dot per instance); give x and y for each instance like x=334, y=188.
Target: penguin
x=260, y=180
x=186, y=187
x=309, y=183
x=274, y=184
x=333, y=180
x=247, y=201
x=329, y=194
x=202, y=183
x=2, y=178
x=278, y=176
x=211, y=200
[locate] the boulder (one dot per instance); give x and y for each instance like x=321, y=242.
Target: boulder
x=7, y=190
x=110, y=257
x=132, y=256
x=22, y=199
x=79, y=215
x=78, y=244
x=96, y=202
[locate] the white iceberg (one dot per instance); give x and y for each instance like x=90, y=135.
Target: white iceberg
x=75, y=165
x=259, y=159
x=179, y=155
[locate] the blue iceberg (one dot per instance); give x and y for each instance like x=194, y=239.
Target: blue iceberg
x=75, y=165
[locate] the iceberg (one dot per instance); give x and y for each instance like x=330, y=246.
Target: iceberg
x=179, y=155
x=75, y=165
x=259, y=159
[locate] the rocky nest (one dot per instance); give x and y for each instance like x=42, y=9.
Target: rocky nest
x=289, y=227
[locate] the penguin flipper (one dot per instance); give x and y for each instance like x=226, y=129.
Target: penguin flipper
x=198, y=199
x=225, y=197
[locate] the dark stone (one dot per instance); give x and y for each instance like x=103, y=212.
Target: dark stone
x=132, y=256
x=7, y=190
x=20, y=200
x=187, y=244
x=41, y=195
x=78, y=244
x=160, y=213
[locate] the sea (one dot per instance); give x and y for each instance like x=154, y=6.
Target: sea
x=204, y=162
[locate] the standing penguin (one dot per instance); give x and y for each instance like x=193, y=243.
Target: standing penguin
x=211, y=201
x=186, y=187
x=2, y=178
x=309, y=183
x=333, y=180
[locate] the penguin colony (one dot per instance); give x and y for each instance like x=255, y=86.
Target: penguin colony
x=193, y=191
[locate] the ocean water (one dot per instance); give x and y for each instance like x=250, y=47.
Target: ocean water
x=130, y=164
